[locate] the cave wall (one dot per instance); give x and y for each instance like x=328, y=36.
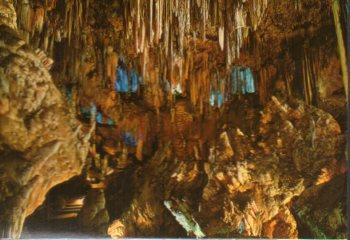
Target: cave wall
x=41, y=142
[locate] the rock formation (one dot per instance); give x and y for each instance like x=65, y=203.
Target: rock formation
x=94, y=217
x=245, y=187
x=327, y=217
x=41, y=143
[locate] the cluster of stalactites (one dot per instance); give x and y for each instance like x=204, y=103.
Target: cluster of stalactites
x=54, y=26
x=163, y=32
x=41, y=29
x=168, y=24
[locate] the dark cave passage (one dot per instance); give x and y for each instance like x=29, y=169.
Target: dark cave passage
x=57, y=217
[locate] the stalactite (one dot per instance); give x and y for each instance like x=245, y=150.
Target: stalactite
x=256, y=11
x=266, y=73
x=305, y=81
x=38, y=19
x=217, y=96
x=167, y=25
x=122, y=82
x=111, y=65
x=151, y=21
x=69, y=19
x=221, y=37
x=309, y=78
x=164, y=35
x=242, y=80
x=288, y=85
x=341, y=45
x=169, y=28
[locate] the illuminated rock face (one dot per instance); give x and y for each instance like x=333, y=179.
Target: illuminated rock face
x=244, y=187
x=41, y=143
x=198, y=128
x=8, y=14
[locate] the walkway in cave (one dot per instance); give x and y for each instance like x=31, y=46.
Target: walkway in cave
x=57, y=217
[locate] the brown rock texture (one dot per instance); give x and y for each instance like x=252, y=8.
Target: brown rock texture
x=244, y=196
x=41, y=143
x=93, y=217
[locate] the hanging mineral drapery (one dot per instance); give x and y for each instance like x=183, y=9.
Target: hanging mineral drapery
x=122, y=83
x=242, y=80
x=90, y=113
x=171, y=28
x=309, y=70
x=126, y=81
x=161, y=39
x=341, y=45
x=266, y=73
x=217, y=91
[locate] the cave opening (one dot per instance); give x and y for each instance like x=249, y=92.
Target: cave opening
x=57, y=216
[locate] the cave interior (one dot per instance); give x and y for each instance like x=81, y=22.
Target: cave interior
x=173, y=118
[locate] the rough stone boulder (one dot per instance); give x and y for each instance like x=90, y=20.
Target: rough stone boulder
x=245, y=187
x=305, y=137
x=146, y=215
x=41, y=143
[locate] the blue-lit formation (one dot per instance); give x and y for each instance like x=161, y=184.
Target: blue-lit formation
x=86, y=113
x=69, y=94
x=126, y=82
x=216, y=98
x=242, y=80
x=134, y=81
x=129, y=139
